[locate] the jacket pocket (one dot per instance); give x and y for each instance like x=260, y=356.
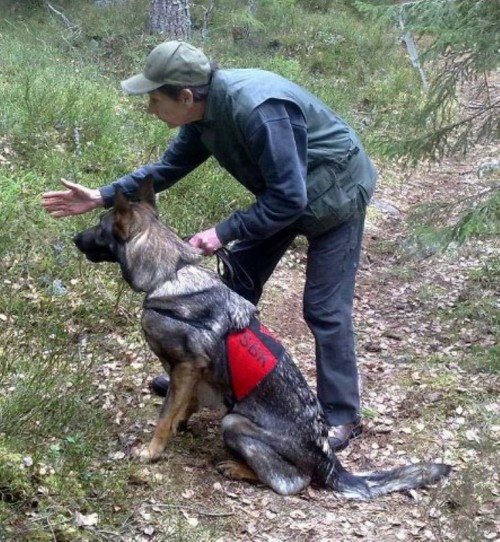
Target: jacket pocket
x=333, y=197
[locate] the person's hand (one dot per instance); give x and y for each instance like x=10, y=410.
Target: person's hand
x=76, y=200
x=207, y=241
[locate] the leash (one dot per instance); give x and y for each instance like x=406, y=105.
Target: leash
x=230, y=272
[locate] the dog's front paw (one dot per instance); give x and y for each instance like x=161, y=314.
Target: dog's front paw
x=147, y=454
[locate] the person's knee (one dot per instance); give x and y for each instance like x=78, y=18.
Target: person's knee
x=328, y=312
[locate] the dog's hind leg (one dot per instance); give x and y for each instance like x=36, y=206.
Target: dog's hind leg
x=262, y=461
x=177, y=407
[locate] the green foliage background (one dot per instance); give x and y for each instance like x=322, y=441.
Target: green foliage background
x=459, y=43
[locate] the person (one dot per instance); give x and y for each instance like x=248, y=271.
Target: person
x=310, y=176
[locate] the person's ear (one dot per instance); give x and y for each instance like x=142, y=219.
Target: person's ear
x=186, y=97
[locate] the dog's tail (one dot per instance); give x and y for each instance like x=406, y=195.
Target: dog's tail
x=375, y=484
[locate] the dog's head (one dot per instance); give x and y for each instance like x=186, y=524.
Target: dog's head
x=132, y=235
x=99, y=243
x=104, y=241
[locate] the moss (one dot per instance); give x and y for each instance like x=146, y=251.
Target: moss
x=15, y=477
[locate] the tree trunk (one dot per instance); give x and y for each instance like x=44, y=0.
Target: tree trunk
x=170, y=17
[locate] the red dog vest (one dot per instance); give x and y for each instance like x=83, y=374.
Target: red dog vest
x=252, y=354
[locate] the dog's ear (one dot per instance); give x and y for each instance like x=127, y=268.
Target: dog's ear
x=122, y=214
x=146, y=192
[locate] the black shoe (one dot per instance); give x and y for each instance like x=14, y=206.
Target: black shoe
x=340, y=436
x=160, y=384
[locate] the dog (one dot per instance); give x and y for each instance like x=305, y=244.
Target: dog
x=209, y=338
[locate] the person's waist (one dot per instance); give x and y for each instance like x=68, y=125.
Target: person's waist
x=339, y=162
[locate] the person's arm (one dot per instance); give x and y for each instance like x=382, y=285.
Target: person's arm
x=185, y=153
x=277, y=140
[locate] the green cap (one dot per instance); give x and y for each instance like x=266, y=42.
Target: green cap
x=170, y=63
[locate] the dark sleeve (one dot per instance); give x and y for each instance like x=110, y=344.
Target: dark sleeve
x=276, y=139
x=185, y=153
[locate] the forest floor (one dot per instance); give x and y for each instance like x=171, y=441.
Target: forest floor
x=423, y=397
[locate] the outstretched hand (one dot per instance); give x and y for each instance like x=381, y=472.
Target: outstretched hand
x=76, y=200
x=207, y=241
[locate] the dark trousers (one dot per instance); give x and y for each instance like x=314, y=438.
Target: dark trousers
x=332, y=263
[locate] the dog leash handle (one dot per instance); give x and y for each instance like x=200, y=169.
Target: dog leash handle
x=228, y=270
x=231, y=272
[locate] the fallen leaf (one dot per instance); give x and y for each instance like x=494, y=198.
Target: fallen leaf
x=89, y=520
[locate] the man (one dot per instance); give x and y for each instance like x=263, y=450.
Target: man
x=309, y=173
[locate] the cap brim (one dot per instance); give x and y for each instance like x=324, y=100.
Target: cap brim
x=138, y=84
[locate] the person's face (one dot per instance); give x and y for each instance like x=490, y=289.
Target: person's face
x=174, y=112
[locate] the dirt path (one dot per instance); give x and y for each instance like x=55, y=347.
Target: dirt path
x=413, y=408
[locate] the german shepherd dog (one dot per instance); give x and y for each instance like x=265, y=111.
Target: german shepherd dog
x=196, y=324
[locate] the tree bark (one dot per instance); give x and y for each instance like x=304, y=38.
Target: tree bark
x=170, y=17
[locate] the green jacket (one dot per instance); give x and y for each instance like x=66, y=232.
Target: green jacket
x=304, y=164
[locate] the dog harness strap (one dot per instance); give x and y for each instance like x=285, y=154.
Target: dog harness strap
x=169, y=313
x=252, y=354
